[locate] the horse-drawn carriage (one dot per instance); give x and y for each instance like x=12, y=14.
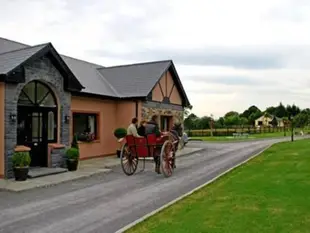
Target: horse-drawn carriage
x=162, y=149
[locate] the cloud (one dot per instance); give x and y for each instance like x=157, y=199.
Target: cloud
x=229, y=54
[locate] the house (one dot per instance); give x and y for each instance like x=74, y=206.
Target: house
x=46, y=98
x=267, y=120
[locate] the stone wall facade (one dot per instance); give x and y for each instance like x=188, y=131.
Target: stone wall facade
x=42, y=70
x=153, y=108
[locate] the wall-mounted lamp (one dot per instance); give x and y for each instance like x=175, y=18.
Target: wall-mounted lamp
x=67, y=119
x=13, y=117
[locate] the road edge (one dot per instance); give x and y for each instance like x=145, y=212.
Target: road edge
x=143, y=218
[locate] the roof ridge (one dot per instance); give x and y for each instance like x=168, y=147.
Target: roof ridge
x=103, y=79
x=139, y=63
x=30, y=47
x=82, y=60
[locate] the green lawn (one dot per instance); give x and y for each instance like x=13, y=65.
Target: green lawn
x=251, y=137
x=271, y=193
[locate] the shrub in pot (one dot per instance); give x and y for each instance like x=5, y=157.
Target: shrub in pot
x=72, y=155
x=119, y=133
x=21, y=162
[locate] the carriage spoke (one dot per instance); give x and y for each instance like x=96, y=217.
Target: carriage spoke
x=129, y=161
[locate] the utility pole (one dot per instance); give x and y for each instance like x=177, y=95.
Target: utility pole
x=211, y=125
x=292, y=127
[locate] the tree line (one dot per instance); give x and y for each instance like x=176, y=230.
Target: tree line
x=290, y=114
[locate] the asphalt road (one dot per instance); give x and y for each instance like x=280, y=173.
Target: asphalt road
x=106, y=203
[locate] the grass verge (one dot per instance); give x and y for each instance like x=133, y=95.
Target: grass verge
x=271, y=193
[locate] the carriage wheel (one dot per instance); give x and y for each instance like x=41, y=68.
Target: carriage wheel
x=129, y=162
x=167, y=158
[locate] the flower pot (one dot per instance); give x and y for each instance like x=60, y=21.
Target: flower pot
x=118, y=153
x=72, y=164
x=21, y=173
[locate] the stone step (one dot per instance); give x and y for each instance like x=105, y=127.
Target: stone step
x=44, y=171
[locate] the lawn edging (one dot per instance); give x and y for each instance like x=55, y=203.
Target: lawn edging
x=145, y=217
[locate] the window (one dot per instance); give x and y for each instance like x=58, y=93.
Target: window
x=37, y=94
x=165, y=122
x=85, y=126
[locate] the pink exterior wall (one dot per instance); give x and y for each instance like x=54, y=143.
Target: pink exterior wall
x=110, y=115
x=126, y=110
x=106, y=122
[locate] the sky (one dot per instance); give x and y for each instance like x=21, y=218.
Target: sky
x=229, y=54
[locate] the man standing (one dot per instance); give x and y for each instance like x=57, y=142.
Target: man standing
x=132, y=128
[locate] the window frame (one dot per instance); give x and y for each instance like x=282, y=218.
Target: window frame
x=87, y=114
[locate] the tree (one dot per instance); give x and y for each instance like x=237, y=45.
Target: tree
x=292, y=110
x=243, y=121
x=231, y=113
x=301, y=120
x=220, y=123
x=280, y=111
x=247, y=113
x=232, y=120
x=204, y=122
x=270, y=110
x=191, y=121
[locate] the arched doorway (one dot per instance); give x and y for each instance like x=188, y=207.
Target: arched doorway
x=37, y=121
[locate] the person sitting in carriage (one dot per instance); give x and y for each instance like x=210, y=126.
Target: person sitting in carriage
x=132, y=128
x=141, y=129
x=152, y=127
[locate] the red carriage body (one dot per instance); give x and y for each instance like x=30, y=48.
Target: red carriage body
x=150, y=146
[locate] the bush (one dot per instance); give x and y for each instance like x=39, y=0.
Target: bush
x=120, y=133
x=73, y=153
x=21, y=159
x=74, y=143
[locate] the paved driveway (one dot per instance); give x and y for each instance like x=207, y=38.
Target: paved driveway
x=107, y=202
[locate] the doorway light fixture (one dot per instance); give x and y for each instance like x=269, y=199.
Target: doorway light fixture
x=67, y=119
x=13, y=117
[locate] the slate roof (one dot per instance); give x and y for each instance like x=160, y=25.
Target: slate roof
x=89, y=76
x=135, y=80
x=11, y=60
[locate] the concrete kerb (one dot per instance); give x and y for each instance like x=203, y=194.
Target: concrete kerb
x=47, y=185
x=145, y=217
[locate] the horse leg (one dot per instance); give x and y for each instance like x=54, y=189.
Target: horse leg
x=157, y=161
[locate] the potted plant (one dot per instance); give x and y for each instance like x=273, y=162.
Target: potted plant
x=21, y=162
x=120, y=133
x=72, y=158
x=73, y=154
